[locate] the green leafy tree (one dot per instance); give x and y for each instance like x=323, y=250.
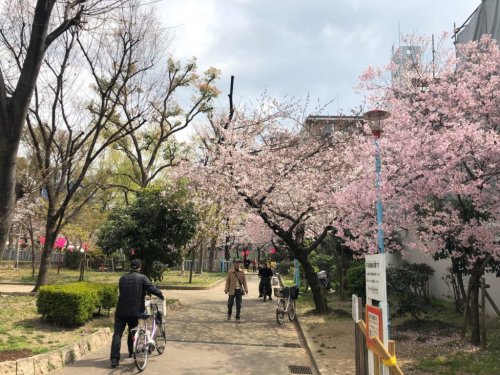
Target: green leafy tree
x=152, y=228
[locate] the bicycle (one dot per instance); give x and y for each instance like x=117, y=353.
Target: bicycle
x=145, y=341
x=286, y=303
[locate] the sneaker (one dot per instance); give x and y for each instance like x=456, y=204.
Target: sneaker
x=228, y=316
x=131, y=355
x=260, y=295
x=114, y=363
x=270, y=299
x=238, y=320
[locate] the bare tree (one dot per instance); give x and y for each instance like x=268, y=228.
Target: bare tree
x=70, y=127
x=28, y=29
x=154, y=148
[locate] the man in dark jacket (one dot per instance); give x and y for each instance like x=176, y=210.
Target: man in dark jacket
x=133, y=288
x=265, y=274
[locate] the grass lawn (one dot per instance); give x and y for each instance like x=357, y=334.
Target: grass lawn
x=22, y=328
x=170, y=277
x=22, y=331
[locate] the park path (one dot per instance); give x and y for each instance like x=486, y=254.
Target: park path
x=202, y=342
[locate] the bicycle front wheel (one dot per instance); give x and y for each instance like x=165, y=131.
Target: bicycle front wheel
x=291, y=309
x=141, y=350
x=280, y=312
x=161, y=338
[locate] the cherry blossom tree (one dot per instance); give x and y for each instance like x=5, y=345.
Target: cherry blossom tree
x=441, y=164
x=283, y=173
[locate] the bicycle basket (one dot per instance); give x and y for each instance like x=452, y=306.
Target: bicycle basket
x=281, y=292
x=294, y=292
x=159, y=303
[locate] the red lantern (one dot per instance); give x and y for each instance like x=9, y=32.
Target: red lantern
x=60, y=242
x=42, y=240
x=273, y=251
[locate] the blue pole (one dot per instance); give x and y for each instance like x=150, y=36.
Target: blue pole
x=297, y=272
x=380, y=215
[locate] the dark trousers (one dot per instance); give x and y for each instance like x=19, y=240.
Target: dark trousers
x=230, y=302
x=268, y=287
x=120, y=322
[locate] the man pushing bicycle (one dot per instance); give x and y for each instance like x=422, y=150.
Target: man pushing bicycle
x=133, y=288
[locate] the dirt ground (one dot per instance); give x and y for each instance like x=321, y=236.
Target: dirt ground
x=331, y=340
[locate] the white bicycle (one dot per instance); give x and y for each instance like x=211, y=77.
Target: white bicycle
x=286, y=303
x=148, y=337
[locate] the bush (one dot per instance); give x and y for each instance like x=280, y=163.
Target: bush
x=157, y=270
x=283, y=267
x=72, y=259
x=323, y=262
x=73, y=304
x=409, y=283
x=108, y=296
x=356, y=282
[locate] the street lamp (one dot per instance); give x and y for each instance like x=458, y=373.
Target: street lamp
x=375, y=118
x=376, y=285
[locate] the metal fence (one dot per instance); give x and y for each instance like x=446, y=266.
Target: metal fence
x=22, y=255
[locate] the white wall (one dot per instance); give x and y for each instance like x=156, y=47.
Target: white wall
x=438, y=287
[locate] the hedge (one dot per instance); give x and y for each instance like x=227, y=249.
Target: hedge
x=74, y=304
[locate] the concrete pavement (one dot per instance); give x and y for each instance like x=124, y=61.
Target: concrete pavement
x=201, y=341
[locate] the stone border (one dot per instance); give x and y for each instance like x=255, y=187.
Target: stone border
x=302, y=338
x=56, y=359
x=185, y=287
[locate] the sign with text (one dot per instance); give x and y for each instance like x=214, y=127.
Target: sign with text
x=376, y=287
x=373, y=326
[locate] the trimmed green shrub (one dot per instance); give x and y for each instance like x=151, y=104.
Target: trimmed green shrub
x=356, y=281
x=108, y=296
x=74, y=304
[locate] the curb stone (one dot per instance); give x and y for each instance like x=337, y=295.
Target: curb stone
x=303, y=338
x=183, y=287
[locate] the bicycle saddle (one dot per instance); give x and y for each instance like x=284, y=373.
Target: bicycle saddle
x=143, y=316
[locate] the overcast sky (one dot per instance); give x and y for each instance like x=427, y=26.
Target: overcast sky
x=300, y=47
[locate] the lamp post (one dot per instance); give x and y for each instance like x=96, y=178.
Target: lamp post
x=375, y=118
x=376, y=264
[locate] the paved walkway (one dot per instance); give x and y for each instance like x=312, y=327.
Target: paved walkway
x=202, y=342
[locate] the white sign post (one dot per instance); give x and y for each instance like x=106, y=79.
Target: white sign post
x=355, y=309
x=376, y=289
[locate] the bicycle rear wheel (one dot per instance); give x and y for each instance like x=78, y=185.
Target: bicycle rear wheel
x=161, y=338
x=141, y=350
x=291, y=310
x=280, y=312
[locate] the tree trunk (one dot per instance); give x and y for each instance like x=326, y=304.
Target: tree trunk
x=183, y=263
x=13, y=113
x=211, y=254
x=474, y=306
x=8, y=155
x=50, y=239
x=201, y=256
x=319, y=295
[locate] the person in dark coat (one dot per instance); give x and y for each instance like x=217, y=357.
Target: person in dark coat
x=265, y=274
x=133, y=288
